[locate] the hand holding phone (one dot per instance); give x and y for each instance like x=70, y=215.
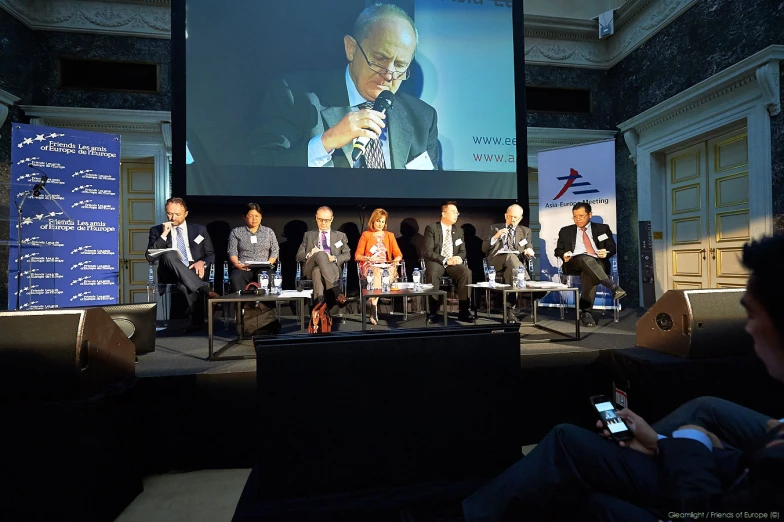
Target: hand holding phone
x=610, y=420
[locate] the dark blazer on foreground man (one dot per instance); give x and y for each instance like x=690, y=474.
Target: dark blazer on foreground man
x=305, y=104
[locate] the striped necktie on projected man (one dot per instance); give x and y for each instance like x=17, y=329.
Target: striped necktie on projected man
x=181, y=245
x=374, y=155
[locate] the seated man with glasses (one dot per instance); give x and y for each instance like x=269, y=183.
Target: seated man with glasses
x=586, y=249
x=324, y=251
x=313, y=118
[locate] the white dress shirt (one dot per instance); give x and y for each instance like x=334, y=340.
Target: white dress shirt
x=579, y=245
x=175, y=233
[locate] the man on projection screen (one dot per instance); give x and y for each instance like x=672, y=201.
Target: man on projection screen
x=315, y=118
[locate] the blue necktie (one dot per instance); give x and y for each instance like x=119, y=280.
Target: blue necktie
x=181, y=246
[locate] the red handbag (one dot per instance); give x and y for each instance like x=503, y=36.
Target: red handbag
x=320, y=320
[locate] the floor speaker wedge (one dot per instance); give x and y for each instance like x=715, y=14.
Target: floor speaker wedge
x=696, y=324
x=55, y=354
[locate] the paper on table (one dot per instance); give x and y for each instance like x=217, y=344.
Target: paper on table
x=158, y=251
x=485, y=284
x=503, y=251
x=294, y=293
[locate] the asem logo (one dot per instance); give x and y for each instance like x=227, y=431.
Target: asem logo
x=570, y=183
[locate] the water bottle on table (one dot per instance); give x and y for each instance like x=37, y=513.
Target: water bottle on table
x=369, y=277
x=264, y=281
x=417, y=278
x=520, y=280
x=385, y=280
x=491, y=275
x=278, y=281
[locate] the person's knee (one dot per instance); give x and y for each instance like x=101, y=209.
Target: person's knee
x=320, y=257
x=707, y=403
x=569, y=434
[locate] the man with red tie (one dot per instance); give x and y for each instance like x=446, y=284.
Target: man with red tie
x=586, y=249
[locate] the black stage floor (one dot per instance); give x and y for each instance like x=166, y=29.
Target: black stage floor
x=179, y=354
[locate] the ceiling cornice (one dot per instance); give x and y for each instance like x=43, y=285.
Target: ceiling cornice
x=142, y=18
x=575, y=43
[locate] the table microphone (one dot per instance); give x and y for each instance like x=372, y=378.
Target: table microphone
x=382, y=104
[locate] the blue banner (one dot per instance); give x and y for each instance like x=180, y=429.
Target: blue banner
x=65, y=187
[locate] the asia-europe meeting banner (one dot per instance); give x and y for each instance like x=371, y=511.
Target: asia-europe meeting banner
x=65, y=187
x=569, y=175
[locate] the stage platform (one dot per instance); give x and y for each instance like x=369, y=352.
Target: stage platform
x=178, y=354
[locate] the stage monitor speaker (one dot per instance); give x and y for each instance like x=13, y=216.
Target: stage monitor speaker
x=65, y=353
x=352, y=413
x=137, y=321
x=696, y=324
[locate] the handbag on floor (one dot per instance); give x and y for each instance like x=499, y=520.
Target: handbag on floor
x=320, y=320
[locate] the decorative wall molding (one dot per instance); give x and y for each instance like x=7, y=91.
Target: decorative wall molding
x=545, y=138
x=145, y=18
x=757, y=76
x=575, y=43
x=6, y=100
x=115, y=121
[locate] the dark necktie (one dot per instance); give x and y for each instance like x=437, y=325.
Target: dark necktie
x=374, y=155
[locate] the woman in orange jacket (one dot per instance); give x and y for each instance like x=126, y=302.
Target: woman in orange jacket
x=377, y=246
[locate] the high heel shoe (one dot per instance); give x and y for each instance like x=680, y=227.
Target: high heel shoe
x=373, y=314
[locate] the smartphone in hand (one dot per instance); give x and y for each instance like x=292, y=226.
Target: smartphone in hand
x=610, y=420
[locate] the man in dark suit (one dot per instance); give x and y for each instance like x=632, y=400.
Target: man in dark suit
x=586, y=249
x=187, y=265
x=445, y=251
x=324, y=251
x=509, y=237
x=314, y=118
x=709, y=455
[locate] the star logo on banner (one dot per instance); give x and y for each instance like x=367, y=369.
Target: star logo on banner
x=29, y=240
x=38, y=217
x=28, y=305
x=80, y=264
x=26, y=141
x=52, y=214
x=39, y=137
x=80, y=295
x=55, y=135
x=26, y=256
x=27, y=221
x=24, y=176
x=81, y=187
x=26, y=160
x=79, y=280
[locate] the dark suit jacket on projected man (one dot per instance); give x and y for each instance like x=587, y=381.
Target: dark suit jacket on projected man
x=313, y=118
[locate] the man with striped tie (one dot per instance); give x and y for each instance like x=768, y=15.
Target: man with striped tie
x=314, y=118
x=187, y=265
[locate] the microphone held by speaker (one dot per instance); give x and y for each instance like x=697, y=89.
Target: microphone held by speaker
x=382, y=104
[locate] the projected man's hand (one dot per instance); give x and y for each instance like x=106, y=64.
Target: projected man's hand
x=355, y=124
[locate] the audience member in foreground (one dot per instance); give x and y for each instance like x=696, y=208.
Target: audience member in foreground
x=709, y=457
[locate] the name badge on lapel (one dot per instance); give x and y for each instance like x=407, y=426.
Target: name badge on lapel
x=458, y=242
x=198, y=239
x=603, y=237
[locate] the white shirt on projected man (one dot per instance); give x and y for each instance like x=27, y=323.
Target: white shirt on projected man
x=318, y=156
